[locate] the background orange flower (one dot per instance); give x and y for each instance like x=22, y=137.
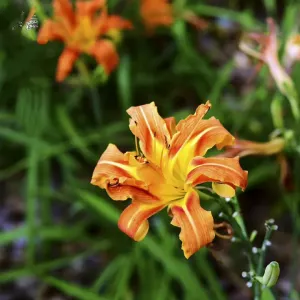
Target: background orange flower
x=83, y=31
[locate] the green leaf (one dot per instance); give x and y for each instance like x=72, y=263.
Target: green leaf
x=101, y=205
x=7, y=237
x=270, y=6
x=106, y=275
x=295, y=295
x=245, y=18
x=178, y=269
x=72, y=134
x=73, y=290
x=220, y=83
x=267, y=295
x=124, y=82
x=51, y=265
x=29, y=33
x=209, y=274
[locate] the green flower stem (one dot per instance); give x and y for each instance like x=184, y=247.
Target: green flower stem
x=293, y=98
x=261, y=259
x=83, y=70
x=238, y=218
x=262, y=255
x=296, y=230
x=240, y=221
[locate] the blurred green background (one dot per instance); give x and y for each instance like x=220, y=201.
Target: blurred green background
x=59, y=237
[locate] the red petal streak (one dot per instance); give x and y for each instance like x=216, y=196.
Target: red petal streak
x=171, y=125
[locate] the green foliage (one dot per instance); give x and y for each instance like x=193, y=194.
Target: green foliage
x=51, y=136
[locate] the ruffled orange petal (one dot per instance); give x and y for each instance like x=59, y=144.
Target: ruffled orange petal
x=134, y=219
x=244, y=148
x=49, y=31
x=219, y=170
x=88, y=8
x=124, y=177
x=147, y=125
x=65, y=63
x=194, y=137
x=156, y=12
x=106, y=55
x=197, y=224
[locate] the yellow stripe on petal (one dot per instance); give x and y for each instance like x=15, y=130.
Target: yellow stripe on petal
x=197, y=224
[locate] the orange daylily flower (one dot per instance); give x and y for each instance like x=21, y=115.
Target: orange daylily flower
x=81, y=30
x=166, y=174
x=160, y=13
x=244, y=148
x=156, y=13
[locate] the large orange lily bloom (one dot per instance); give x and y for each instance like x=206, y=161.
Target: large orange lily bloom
x=81, y=30
x=166, y=175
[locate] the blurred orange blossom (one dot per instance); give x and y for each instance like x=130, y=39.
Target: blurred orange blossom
x=83, y=31
x=165, y=174
x=161, y=13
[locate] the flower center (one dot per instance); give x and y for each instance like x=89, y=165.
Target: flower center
x=84, y=36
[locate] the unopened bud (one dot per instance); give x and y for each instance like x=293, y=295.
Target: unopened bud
x=271, y=275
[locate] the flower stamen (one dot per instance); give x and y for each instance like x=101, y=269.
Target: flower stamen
x=227, y=228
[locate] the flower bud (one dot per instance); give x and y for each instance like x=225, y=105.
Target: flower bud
x=271, y=275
